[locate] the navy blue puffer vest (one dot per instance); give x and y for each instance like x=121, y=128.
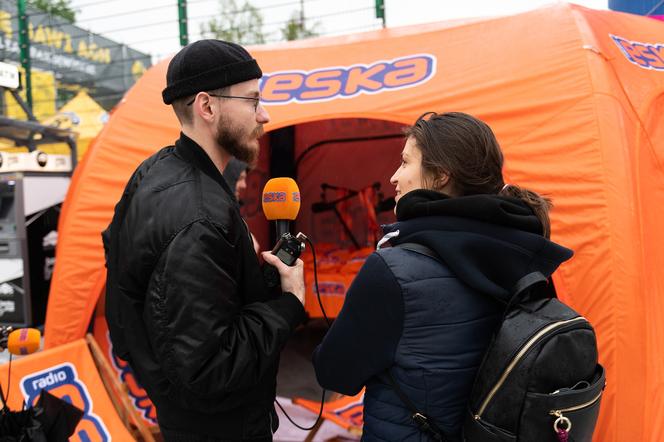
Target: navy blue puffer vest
x=447, y=327
x=429, y=322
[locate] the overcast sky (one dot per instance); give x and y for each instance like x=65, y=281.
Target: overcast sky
x=151, y=25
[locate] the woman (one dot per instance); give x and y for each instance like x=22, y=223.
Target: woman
x=429, y=321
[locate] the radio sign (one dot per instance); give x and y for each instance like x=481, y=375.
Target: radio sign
x=9, y=76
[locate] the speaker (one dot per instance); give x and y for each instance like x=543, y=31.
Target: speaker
x=29, y=211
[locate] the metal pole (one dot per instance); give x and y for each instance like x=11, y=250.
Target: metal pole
x=380, y=11
x=24, y=45
x=182, y=16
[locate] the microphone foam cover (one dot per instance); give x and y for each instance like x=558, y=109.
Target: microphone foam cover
x=281, y=199
x=24, y=341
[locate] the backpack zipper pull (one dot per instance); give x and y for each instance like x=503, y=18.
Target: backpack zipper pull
x=562, y=427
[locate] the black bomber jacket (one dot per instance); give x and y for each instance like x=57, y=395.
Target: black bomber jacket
x=186, y=303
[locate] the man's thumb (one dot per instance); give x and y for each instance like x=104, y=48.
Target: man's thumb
x=270, y=258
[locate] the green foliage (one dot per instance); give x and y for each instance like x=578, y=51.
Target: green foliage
x=295, y=29
x=243, y=25
x=59, y=8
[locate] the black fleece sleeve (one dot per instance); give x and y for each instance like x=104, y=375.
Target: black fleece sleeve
x=208, y=343
x=363, y=339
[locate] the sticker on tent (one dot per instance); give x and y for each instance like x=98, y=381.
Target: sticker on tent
x=644, y=55
x=63, y=381
x=347, y=81
x=139, y=396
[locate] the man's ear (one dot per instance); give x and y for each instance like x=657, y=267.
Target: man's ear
x=203, y=107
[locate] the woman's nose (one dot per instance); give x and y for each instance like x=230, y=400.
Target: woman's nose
x=395, y=178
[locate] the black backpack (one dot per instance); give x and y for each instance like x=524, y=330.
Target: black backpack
x=539, y=380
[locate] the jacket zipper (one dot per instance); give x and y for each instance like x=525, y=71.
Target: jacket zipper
x=559, y=413
x=519, y=356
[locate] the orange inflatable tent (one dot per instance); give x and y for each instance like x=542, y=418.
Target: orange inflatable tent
x=576, y=99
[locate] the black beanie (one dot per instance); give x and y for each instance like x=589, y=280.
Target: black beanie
x=206, y=65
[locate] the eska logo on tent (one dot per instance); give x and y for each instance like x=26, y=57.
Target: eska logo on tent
x=139, y=396
x=331, y=288
x=63, y=382
x=644, y=55
x=347, y=81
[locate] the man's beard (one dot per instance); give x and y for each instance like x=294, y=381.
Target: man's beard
x=230, y=139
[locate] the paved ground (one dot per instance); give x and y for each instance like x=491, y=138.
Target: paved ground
x=296, y=372
x=297, y=378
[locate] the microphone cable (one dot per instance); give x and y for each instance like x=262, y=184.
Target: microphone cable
x=3, y=396
x=329, y=324
x=320, y=303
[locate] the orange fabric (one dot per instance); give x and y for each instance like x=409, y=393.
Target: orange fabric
x=137, y=395
x=67, y=372
x=356, y=260
x=347, y=411
x=343, y=208
x=332, y=286
x=368, y=199
x=336, y=270
x=352, y=153
x=576, y=99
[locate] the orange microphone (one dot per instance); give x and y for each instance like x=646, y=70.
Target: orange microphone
x=24, y=341
x=281, y=202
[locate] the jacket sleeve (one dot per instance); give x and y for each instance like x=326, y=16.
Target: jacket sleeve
x=207, y=342
x=363, y=339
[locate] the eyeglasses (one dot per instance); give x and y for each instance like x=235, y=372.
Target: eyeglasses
x=256, y=100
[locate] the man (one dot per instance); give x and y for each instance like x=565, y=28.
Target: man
x=186, y=303
x=235, y=175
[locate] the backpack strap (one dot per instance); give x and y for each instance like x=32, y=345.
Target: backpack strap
x=419, y=248
x=426, y=425
x=527, y=282
x=423, y=422
x=524, y=284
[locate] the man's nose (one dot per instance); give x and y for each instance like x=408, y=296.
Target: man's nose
x=261, y=114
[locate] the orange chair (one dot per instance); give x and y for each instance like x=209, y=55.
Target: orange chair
x=345, y=411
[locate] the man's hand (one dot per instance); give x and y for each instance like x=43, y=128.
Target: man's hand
x=292, y=277
x=257, y=246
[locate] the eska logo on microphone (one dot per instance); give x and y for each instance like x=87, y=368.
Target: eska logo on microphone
x=274, y=197
x=63, y=382
x=280, y=197
x=347, y=81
